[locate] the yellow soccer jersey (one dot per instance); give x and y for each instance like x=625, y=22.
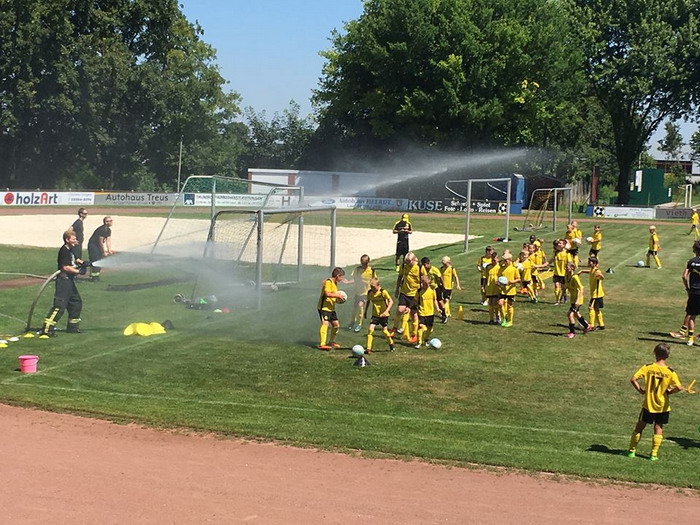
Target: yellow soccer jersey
x=597, y=241
x=379, y=301
x=327, y=303
x=435, y=277
x=483, y=264
x=526, y=271
x=410, y=278
x=695, y=218
x=654, y=242
x=492, y=273
x=512, y=274
x=573, y=286
x=449, y=274
x=595, y=284
x=578, y=234
x=560, y=260
x=570, y=236
x=426, y=302
x=362, y=276
x=657, y=380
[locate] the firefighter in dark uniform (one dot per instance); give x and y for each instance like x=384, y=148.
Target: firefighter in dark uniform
x=78, y=228
x=402, y=229
x=66, y=296
x=100, y=245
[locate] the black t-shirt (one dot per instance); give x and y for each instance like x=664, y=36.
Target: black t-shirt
x=402, y=236
x=103, y=231
x=79, y=231
x=66, y=258
x=693, y=268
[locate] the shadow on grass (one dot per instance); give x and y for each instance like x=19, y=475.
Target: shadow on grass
x=664, y=340
x=541, y=332
x=604, y=449
x=685, y=442
x=475, y=322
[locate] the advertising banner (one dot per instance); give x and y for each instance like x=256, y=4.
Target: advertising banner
x=673, y=213
x=127, y=198
x=46, y=198
x=622, y=212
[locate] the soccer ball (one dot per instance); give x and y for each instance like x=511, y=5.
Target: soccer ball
x=577, y=241
x=358, y=350
x=640, y=264
x=589, y=240
x=435, y=343
x=274, y=287
x=343, y=296
x=519, y=267
x=503, y=280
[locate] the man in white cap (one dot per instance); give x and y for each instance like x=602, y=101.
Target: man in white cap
x=402, y=229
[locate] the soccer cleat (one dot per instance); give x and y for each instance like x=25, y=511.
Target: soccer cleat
x=427, y=344
x=601, y=328
x=368, y=350
x=690, y=341
x=658, y=268
x=444, y=319
x=351, y=326
x=417, y=345
x=325, y=348
x=413, y=339
x=398, y=331
x=570, y=335
x=631, y=454
x=589, y=328
x=508, y=324
x=484, y=303
x=654, y=458
x=391, y=348
x=503, y=323
x=357, y=328
x=556, y=303
x=335, y=345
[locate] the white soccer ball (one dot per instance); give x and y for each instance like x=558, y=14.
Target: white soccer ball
x=435, y=343
x=343, y=296
x=358, y=350
x=519, y=267
x=577, y=241
x=503, y=280
x=640, y=264
x=589, y=240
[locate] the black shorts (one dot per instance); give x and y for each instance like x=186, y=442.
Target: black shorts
x=509, y=298
x=596, y=303
x=692, y=307
x=573, y=252
x=325, y=315
x=535, y=279
x=651, y=418
x=379, y=321
x=652, y=253
x=525, y=284
x=402, y=248
x=426, y=320
x=593, y=253
x=574, y=308
x=483, y=282
x=443, y=294
x=407, y=301
x=558, y=279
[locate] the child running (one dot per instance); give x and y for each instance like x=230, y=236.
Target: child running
x=654, y=248
x=381, y=302
x=575, y=289
x=361, y=276
x=427, y=306
x=660, y=381
x=506, y=301
x=326, y=310
x=407, y=286
x=450, y=280
x=597, y=242
x=694, y=222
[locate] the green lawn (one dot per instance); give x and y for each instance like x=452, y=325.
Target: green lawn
x=522, y=397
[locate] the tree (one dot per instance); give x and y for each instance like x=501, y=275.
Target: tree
x=449, y=74
x=639, y=62
x=695, y=147
x=672, y=143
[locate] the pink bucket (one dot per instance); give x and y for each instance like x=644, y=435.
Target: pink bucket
x=28, y=363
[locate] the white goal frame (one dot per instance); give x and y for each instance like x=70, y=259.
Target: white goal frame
x=555, y=192
x=468, y=198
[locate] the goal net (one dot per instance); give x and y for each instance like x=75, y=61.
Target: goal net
x=546, y=206
x=251, y=252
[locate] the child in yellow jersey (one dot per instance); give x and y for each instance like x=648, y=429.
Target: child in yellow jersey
x=407, y=286
x=510, y=276
x=450, y=280
x=539, y=263
x=559, y=262
x=493, y=291
x=380, y=301
x=595, y=284
x=660, y=381
x=597, y=242
x=575, y=288
x=481, y=266
x=654, y=248
x=427, y=307
x=326, y=310
x=694, y=222
x=361, y=276
x=525, y=267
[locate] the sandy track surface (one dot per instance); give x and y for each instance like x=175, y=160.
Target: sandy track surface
x=63, y=469
x=139, y=233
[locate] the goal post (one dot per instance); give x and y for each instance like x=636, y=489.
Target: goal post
x=468, y=197
x=249, y=251
x=544, y=200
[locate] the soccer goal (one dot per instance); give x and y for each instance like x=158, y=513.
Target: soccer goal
x=544, y=201
x=501, y=186
x=250, y=252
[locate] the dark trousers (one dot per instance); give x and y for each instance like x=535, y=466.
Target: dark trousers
x=65, y=298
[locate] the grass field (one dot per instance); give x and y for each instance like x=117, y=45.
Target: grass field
x=522, y=397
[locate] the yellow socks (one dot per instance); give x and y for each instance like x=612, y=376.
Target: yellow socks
x=334, y=332
x=657, y=261
x=599, y=318
x=322, y=334
x=370, y=338
x=388, y=336
x=510, y=313
x=634, y=441
x=656, y=440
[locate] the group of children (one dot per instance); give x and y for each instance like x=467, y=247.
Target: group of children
x=422, y=291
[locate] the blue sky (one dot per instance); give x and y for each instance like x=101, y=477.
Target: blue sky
x=268, y=49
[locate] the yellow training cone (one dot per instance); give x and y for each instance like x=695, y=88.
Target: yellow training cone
x=156, y=328
x=460, y=313
x=28, y=335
